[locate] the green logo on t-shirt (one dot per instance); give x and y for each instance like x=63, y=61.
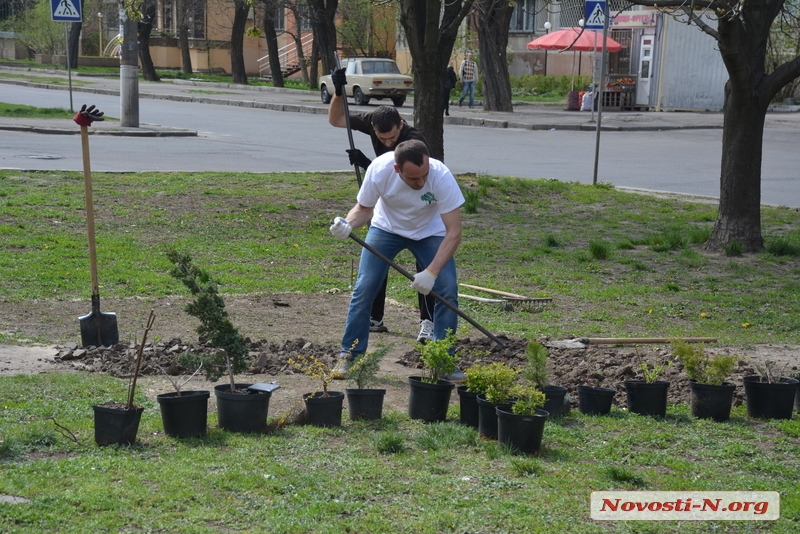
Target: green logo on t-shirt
x=428, y=197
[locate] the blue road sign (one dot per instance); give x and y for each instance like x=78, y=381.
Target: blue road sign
x=595, y=14
x=66, y=10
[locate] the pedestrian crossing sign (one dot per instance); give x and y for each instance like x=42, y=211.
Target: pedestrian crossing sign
x=595, y=14
x=66, y=10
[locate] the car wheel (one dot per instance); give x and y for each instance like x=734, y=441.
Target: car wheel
x=325, y=95
x=399, y=101
x=360, y=98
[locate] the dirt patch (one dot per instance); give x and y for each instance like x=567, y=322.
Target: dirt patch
x=282, y=326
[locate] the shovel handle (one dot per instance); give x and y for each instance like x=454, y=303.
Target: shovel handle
x=87, y=186
x=435, y=295
x=347, y=122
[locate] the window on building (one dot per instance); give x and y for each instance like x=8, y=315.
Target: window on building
x=523, y=16
x=280, y=18
x=305, y=17
x=197, y=22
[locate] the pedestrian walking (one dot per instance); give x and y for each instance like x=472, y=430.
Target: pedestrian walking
x=469, y=76
x=450, y=81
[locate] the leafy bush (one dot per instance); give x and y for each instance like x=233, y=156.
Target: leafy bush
x=364, y=370
x=437, y=358
x=702, y=368
x=536, y=370
x=526, y=399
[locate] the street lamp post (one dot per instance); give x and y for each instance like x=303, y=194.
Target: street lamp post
x=547, y=27
x=100, y=33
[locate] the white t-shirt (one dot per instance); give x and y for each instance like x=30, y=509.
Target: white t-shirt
x=401, y=210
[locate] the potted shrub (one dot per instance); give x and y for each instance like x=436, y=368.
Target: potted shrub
x=239, y=408
x=648, y=396
x=118, y=423
x=364, y=402
x=184, y=414
x=769, y=395
x=557, y=402
x=521, y=425
x=323, y=407
x=492, y=382
x=712, y=397
x=429, y=394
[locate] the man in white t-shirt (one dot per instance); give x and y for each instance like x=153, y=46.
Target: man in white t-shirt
x=414, y=203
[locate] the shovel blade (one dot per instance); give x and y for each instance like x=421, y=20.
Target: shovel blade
x=99, y=329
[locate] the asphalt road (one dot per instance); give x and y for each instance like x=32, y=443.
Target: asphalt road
x=254, y=140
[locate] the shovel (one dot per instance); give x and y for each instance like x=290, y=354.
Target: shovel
x=97, y=328
x=435, y=295
x=347, y=121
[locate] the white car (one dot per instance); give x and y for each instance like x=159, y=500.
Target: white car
x=368, y=78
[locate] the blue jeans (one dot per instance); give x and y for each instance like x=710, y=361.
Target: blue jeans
x=371, y=273
x=468, y=87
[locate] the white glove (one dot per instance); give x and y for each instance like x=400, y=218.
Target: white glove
x=340, y=228
x=423, y=282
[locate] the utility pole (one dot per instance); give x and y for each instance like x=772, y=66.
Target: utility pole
x=128, y=70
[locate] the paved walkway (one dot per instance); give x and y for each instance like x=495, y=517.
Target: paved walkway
x=525, y=115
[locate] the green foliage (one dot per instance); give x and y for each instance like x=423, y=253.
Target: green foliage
x=437, y=358
x=600, y=250
x=215, y=325
x=483, y=376
x=527, y=399
x=782, y=247
x=535, y=87
x=364, y=370
x=471, y=200
x=622, y=474
x=35, y=29
x=700, y=367
x=313, y=367
x=536, y=370
x=733, y=248
x=389, y=442
x=651, y=374
x=527, y=466
x=32, y=112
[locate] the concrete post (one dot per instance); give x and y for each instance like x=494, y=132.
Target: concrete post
x=128, y=70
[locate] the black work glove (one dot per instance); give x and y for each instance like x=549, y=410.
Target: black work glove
x=358, y=158
x=86, y=116
x=339, y=81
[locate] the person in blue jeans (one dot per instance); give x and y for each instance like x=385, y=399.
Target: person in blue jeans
x=469, y=76
x=414, y=203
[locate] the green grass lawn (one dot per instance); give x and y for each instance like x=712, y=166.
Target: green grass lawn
x=31, y=112
x=615, y=263
x=443, y=477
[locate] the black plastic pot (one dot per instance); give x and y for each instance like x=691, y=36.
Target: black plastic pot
x=647, y=399
x=487, y=417
x=797, y=399
x=365, y=403
x=554, y=400
x=712, y=402
x=769, y=400
x=116, y=426
x=184, y=415
x=595, y=400
x=428, y=402
x=523, y=433
x=238, y=412
x=469, y=407
x=324, y=411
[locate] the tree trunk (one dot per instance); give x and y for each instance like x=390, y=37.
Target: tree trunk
x=145, y=27
x=73, y=42
x=183, y=36
x=493, y=20
x=301, y=57
x=739, y=216
x=272, y=46
x=323, y=14
x=431, y=33
x=313, y=74
x=238, y=71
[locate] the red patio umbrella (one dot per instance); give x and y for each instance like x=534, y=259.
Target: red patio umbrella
x=576, y=39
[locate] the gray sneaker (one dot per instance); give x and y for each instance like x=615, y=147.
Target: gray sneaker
x=341, y=368
x=456, y=376
x=425, y=331
x=377, y=326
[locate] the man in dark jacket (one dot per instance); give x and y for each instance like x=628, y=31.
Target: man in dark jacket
x=450, y=81
x=386, y=129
